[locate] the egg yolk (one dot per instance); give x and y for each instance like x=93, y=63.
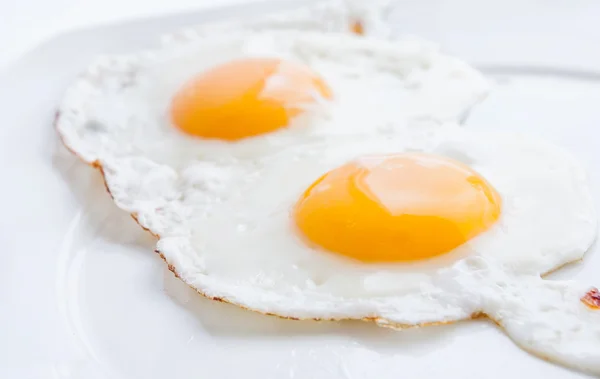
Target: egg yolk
x=357, y=27
x=245, y=98
x=392, y=208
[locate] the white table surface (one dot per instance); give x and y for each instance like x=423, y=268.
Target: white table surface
x=26, y=23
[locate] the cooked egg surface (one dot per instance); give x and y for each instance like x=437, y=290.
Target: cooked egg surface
x=228, y=210
x=397, y=207
x=302, y=85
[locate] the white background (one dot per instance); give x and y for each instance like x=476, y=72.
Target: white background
x=483, y=27
x=26, y=23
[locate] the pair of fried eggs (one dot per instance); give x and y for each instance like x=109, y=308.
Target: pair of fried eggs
x=313, y=174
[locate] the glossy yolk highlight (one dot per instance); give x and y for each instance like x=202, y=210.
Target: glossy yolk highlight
x=246, y=97
x=393, y=208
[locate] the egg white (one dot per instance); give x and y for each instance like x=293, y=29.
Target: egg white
x=230, y=221
x=222, y=210
x=225, y=229
x=377, y=85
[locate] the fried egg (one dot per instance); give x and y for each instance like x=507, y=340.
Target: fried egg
x=358, y=197
x=281, y=87
x=236, y=231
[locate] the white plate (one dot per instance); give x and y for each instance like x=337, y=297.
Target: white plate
x=82, y=296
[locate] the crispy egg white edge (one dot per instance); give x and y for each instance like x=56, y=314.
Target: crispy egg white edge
x=517, y=324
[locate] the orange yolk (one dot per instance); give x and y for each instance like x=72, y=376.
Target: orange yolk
x=246, y=97
x=392, y=208
x=356, y=27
